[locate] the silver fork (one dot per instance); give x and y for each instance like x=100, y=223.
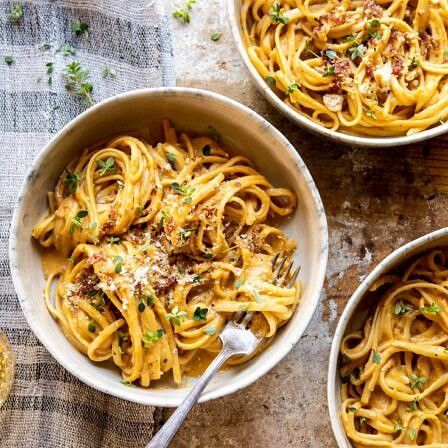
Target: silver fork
x=236, y=339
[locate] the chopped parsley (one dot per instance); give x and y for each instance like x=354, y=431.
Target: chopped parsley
x=186, y=233
x=66, y=48
x=71, y=181
x=152, y=336
x=182, y=13
x=216, y=36
x=412, y=433
x=119, y=263
x=9, y=59
x=16, y=13
x=375, y=23
x=417, y=382
x=402, y=308
x=376, y=357
x=210, y=331
x=414, y=62
x=276, y=15
x=175, y=315
x=432, y=309
x=200, y=313
x=76, y=221
x=196, y=278
x=80, y=28
x=78, y=82
x=149, y=300
x=106, y=166
x=185, y=190
x=163, y=218
x=120, y=184
x=351, y=409
x=207, y=256
x=292, y=87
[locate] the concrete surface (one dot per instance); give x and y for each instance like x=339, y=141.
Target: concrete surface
x=376, y=200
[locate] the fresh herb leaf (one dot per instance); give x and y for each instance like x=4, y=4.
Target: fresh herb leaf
x=184, y=189
x=120, y=184
x=375, y=23
x=16, y=13
x=77, y=82
x=151, y=337
x=238, y=283
x=413, y=405
x=206, y=150
x=171, y=157
x=186, y=233
x=196, y=278
x=67, y=49
x=78, y=27
x=376, y=357
x=163, y=218
x=107, y=72
x=276, y=15
x=210, y=331
x=351, y=409
x=149, y=300
x=402, y=308
x=207, y=256
x=270, y=80
x=216, y=36
x=412, y=433
x=113, y=239
x=399, y=425
x=414, y=62
x=329, y=71
x=141, y=307
x=292, y=87
x=76, y=222
x=358, y=51
x=200, y=313
x=71, y=181
x=417, y=382
x=432, y=309
x=175, y=315
x=91, y=326
x=9, y=59
x=106, y=166
x=182, y=13
x=331, y=54
x=119, y=263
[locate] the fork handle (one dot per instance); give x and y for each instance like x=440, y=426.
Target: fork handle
x=163, y=438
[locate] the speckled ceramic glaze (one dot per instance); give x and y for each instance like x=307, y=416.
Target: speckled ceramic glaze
x=195, y=110
x=233, y=9
x=402, y=255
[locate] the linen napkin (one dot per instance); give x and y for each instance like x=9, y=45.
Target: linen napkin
x=124, y=45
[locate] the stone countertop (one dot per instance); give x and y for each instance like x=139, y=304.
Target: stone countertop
x=375, y=200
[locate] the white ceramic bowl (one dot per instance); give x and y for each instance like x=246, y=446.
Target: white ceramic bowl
x=233, y=9
x=194, y=110
x=439, y=238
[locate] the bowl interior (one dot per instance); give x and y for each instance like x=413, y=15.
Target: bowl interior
x=191, y=110
x=355, y=310
x=234, y=8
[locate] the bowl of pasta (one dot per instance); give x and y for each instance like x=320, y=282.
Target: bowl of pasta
x=387, y=372
x=363, y=73
x=146, y=223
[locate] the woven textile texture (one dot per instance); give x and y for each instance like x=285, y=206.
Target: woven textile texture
x=48, y=407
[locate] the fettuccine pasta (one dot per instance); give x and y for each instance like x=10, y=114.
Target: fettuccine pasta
x=394, y=368
x=165, y=242
x=373, y=68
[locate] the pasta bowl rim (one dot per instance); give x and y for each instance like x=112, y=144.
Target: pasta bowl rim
x=396, y=257
x=300, y=171
x=303, y=121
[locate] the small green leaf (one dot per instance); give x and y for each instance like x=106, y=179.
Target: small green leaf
x=16, y=13
x=376, y=357
x=215, y=36
x=270, y=80
x=78, y=27
x=91, y=326
x=210, y=331
x=9, y=59
x=200, y=313
x=141, y=307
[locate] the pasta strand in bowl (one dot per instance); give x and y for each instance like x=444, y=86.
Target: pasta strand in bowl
x=165, y=242
x=367, y=68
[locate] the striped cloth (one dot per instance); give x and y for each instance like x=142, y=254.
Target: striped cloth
x=48, y=407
